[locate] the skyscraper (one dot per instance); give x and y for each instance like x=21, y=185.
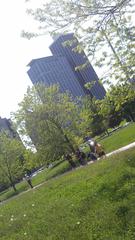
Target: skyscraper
x=55, y=70
x=84, y=75
x=61, y=68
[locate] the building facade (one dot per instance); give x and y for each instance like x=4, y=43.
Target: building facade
x=6, y=126
x=62, y=68
x=55, y=70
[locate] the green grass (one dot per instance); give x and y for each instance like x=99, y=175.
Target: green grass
x=38, y=179
x=119, y=138
x=96, y=202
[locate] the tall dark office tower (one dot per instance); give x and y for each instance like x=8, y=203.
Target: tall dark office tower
x=60, y=68
x=75, y=59
x=55, y=70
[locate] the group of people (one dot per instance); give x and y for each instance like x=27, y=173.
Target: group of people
x=96, y=151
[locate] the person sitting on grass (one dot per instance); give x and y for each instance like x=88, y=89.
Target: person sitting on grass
x=92, y=143
x=92, y=154
x=99, y=150
x=81, y=157
x=68, y=157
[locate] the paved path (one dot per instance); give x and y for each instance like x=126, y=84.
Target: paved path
x=131, y=145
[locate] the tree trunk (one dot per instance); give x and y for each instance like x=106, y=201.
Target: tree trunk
x=65, y=136
x=9, y=175
x=107, y=132
x=69, y=143
x=13, y=185
x=115, y=54
x=131, y=116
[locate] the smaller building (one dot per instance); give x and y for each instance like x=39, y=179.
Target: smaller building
x=7, y=126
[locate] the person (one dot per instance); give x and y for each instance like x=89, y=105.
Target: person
x=99, y=150
x=81, y=157
x=92, y=143
x=92, y=154
x=87, y=138
x=68, y=157
x=28, y=177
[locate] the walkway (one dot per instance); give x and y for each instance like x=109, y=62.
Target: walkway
x=131, y=145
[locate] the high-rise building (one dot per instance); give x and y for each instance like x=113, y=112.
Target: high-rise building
x=62, y=68
x=6, y=126
x=55, y=70
x=61, y=47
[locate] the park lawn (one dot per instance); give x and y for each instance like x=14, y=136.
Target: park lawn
x=116, y=140
x=41, y=177
x=119, y=138
x=93, y=202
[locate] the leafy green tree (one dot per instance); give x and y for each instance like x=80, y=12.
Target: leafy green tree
x=50, y=118
x=92, y=121
x=123, y=96
x=118, y=104
x=119, y=54
x=10, y=164
x=30, y=161
x=55, y=15
x=111, y=116
x=104, y=28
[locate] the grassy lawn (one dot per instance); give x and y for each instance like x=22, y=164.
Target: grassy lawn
x=39, y=178
x=96, y=202
x=119, y=138
x=116, y=139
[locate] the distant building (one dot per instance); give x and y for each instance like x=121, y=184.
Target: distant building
x=6, y=126
x=61, y=69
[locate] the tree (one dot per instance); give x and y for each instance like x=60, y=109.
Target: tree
x=103, y=27
x=111, y=116
x=123, y=96
x=55, y=15
x=50, y=119
x=118, y=104
x=91, y=120
x=10, y=164
x=119, y=54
